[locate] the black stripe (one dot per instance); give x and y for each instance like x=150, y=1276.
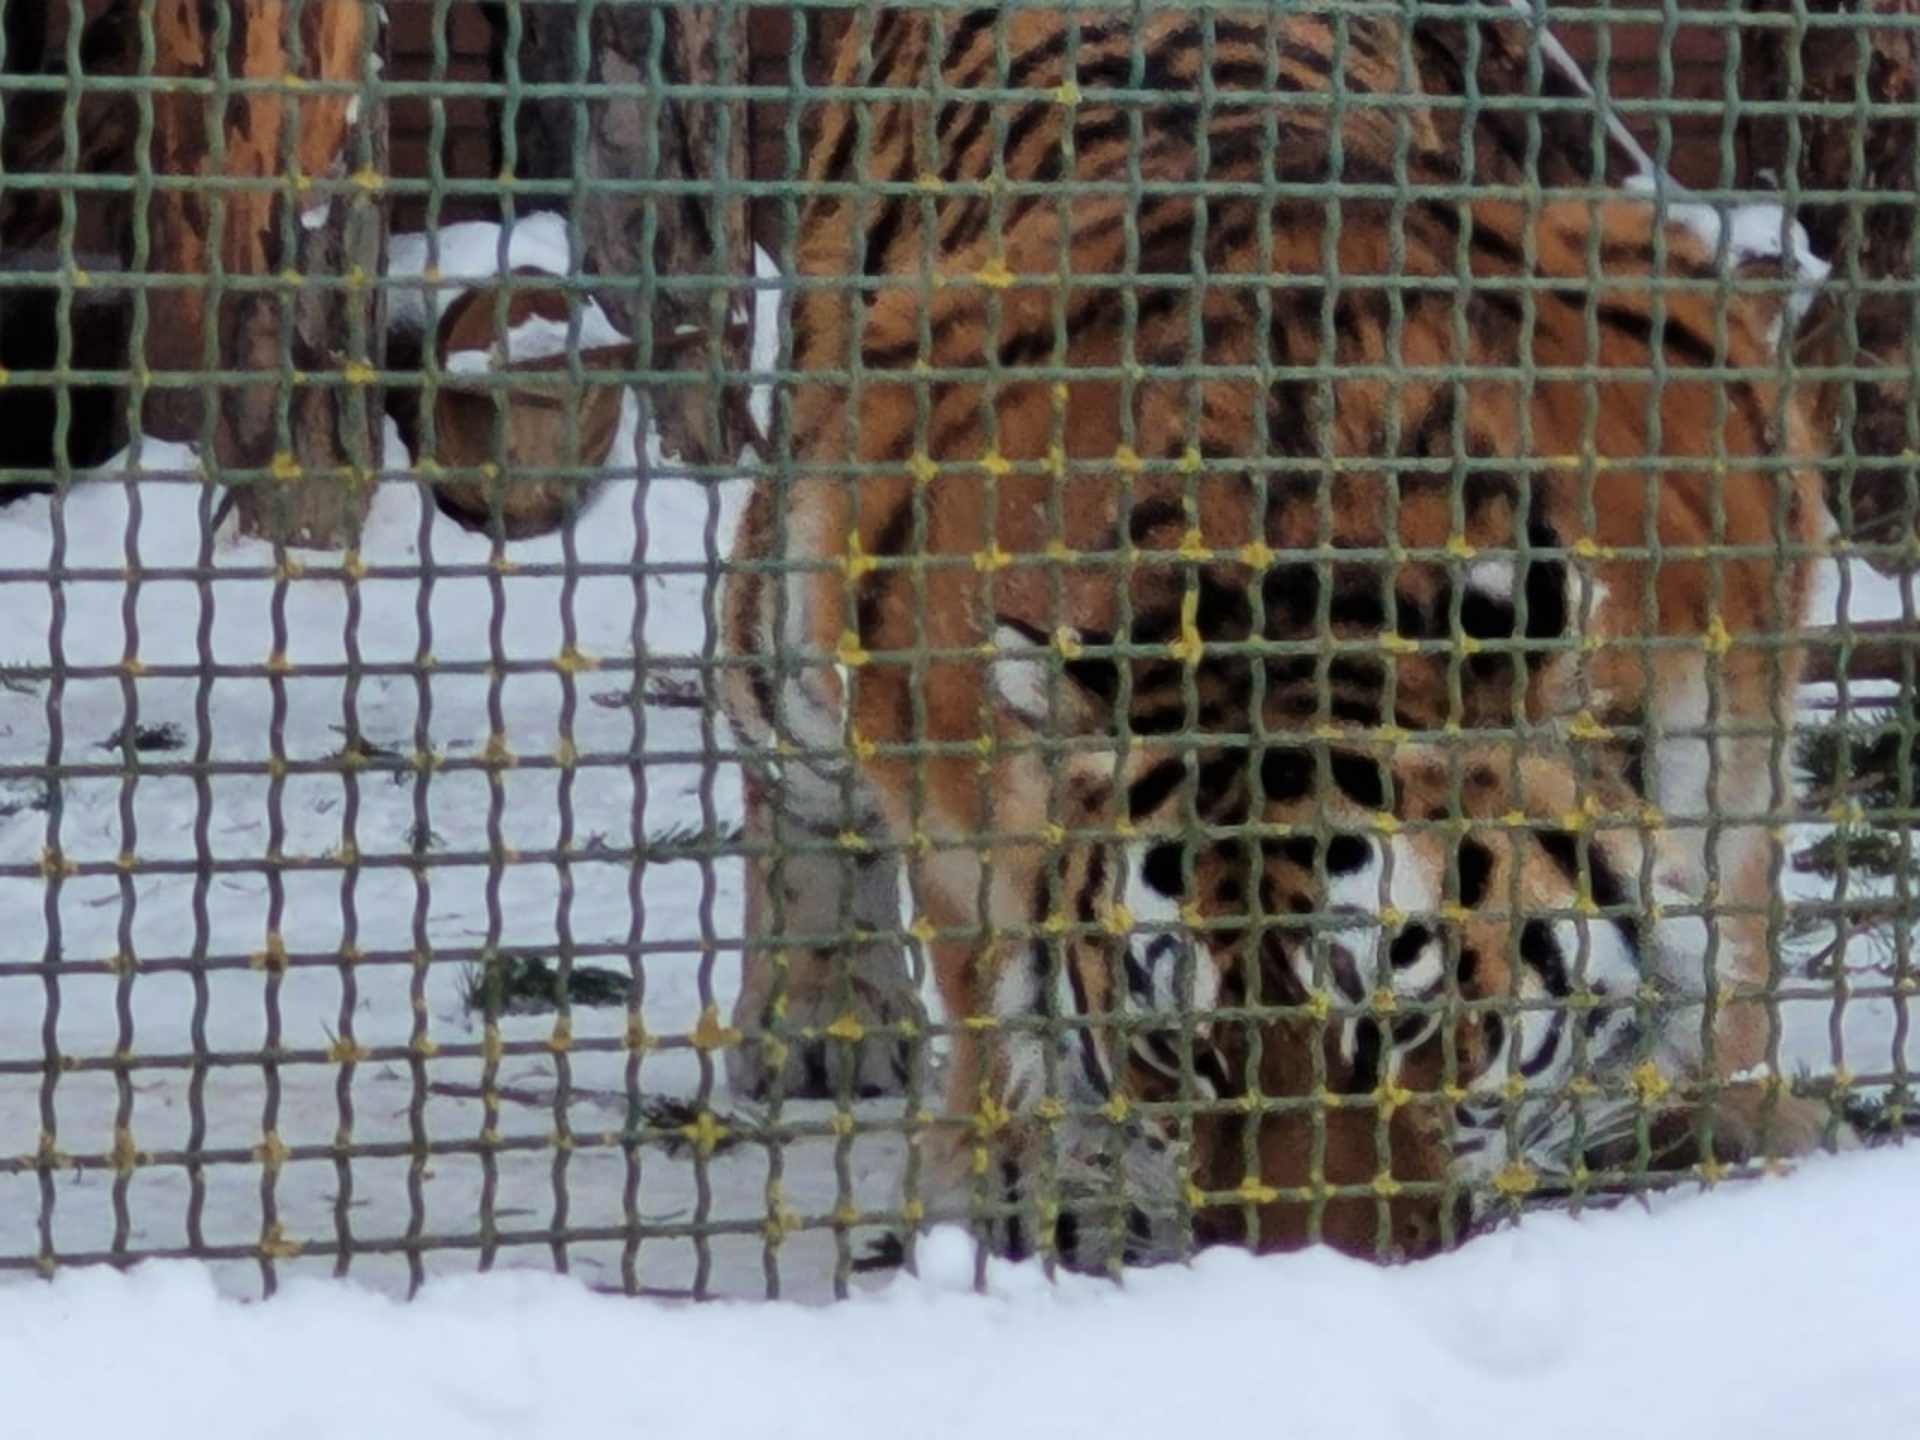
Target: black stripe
x=1139, y=986
x=1287, y=775
x=1024, y=70
x=894, y=538
x=1357, y=674
x=840, y=157
x=1409, y=1028
x=1545, y=586
x=1031, y=347
x=1347, y=708
x=962, y=35
x=1423, y=618
x=1222, y=611
x=1234, y=34
x=1348, y=854
x=894, y=356
x=961, y=123
x=1609, y=892
x=1563, y=848
x=1164, y=870
x=762, y=688
x=882, y=232
x=1638, y=254
x=1633, y=763
x=966, y=223
x=1432, y=437
x=1151, y=790
x=1359, y=599
x=1540, y=952
x=1088, y=906
x=1020, y=130
x=1218, y=778
x=1090, y=903
x=1493, y=1033
x=1154, y=514
x=1405, y=947
x=1359, y=777
x=1165, y=719
x=1485, y=240
x=1485, y=487
x=1366, y=1060
x=1549, y=1048
x=1227, y=239
x=1315, y=60
x=1667, y=335
x=1511, y=308
x=745, y=643
x=893, y=33
x=1166, y=235
x=1300, y=851
x=1475, y=862
x=1290, y=595
x=1244, y=75
x=1484, y=617
x=1095, y=129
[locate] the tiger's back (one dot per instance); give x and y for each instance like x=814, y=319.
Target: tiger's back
x=1000, y=416
x=983, y=322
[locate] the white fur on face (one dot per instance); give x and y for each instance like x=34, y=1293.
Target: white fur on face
x=1395, y=876
x=1494, y=576
x=1022, y=677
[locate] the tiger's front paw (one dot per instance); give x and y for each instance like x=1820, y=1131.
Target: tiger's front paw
x=1095, y=1195
x=856, y=1038
x=1755, y=1121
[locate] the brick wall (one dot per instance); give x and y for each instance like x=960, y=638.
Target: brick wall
x=468, y=150
x=1627, y=67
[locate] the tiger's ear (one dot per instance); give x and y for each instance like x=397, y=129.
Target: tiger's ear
x=1767, y=289
x=1050, y=684
x=1834, y=371
x=1810, y=338
x=1020, y=675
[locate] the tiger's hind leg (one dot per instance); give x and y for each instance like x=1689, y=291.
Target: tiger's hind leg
x=827, y=1005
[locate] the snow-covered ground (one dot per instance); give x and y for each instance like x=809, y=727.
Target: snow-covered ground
x=543, y=660
x=392, y=860
x=1763, y=1311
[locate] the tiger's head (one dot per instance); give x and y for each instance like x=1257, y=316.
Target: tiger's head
x=1380, y=985
x=1422, y=976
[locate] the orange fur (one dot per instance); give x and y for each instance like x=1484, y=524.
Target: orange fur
x=998, y=420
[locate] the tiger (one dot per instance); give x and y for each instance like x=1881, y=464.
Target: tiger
x=1490, y=1020
x=1168, y=338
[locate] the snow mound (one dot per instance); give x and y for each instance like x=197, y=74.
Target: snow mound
x=1757, y=1311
